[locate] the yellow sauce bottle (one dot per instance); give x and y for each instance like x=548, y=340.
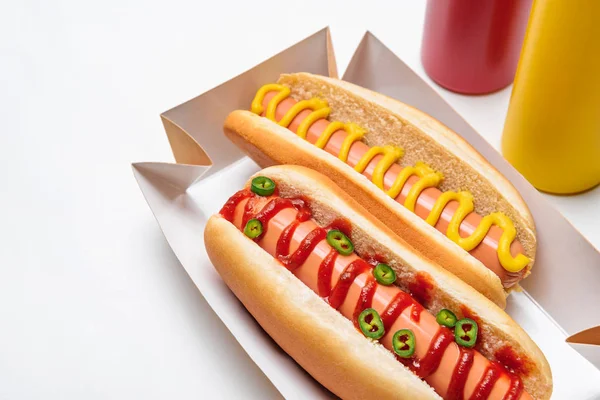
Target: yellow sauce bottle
x=552, y=129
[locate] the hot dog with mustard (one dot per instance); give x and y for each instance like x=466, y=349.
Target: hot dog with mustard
x=450, y=204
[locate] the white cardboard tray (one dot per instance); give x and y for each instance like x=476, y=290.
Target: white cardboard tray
x=561, y=297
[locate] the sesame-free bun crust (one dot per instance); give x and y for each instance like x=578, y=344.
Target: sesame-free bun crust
x=423, y=138
x=319, y=338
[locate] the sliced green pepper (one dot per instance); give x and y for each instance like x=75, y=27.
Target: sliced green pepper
x=340, y=242
x=404, y=343
x=253, y=228
x=384, y=274
x=446, y=318
x=370, y=324
x=465, y=332
x=262, y=186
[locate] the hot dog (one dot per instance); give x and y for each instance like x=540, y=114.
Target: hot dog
x=485, y=252
x=273, y=250
x=501, y=252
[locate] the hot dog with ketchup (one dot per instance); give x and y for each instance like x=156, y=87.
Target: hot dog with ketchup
x=327, y=281
x=450, y=204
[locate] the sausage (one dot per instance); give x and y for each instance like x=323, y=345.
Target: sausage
x=425, y=327
x=486, y=251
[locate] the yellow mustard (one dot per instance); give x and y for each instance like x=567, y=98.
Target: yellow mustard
x=390, y=155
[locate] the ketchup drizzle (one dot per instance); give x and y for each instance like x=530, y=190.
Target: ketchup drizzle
x=340, y=291
x=342, y=225
x=485, y=385
x=459, y=375
x=325, y=271
x=415, y=313
x=307, y=245
x=515, y=389
x=365, y=299
x=430, y=363
x=374, y=259
x=249, y=210
x=512, y=361
x=229, y=207
x=283, y=243
x=420, y=288
x=268, y=211
x=393, y=310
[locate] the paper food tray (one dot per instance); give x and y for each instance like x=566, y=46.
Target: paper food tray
x=561, y=295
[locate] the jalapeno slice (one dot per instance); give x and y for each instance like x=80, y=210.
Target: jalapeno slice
x=370, y=324
x=262, y=186
x=404, y=343
x=384, y=274
x=446, y=318
x=465, y=332
x=340, y=242
x=253, y=228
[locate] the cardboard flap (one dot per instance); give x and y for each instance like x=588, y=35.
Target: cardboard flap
x=331, y=61
x=185, y=149
x=170, y=178
x=199, y=122
x=588, y=336
x=587, y=343
x=567, y=268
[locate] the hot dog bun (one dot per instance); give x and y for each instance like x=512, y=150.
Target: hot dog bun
x=321, y=340
x=388, y=121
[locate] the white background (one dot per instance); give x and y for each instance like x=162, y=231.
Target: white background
x=93, y=304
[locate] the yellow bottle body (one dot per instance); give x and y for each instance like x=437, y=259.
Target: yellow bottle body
x=552, y=129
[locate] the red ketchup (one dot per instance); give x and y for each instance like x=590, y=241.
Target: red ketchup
x=460, y=374
x=428, y=364
x=297, y=258
x=342, y=225
x=421, y=287
x=229, y=207
x=395, y=308
x=340, y=290
x=507, y=357
x=365, y=298
x=325, y=272
x=283, y=243
x=516, y=388
x=486, y=384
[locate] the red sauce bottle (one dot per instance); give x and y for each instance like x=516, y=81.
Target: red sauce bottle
x=473, y=46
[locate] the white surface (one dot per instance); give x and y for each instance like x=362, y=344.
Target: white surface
x=92, y=302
